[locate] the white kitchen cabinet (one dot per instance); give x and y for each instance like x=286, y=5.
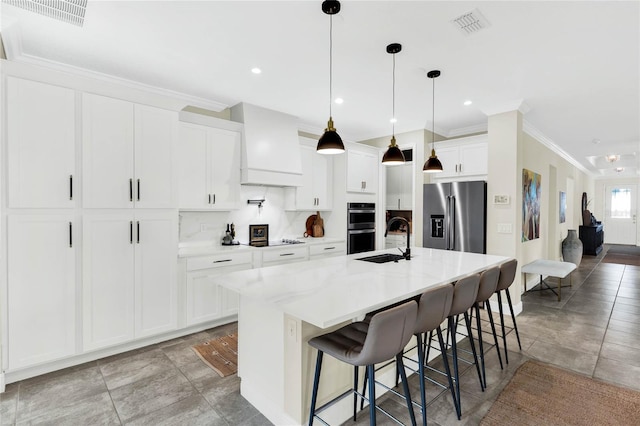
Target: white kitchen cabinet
x=462, y=158
x=41, y=145
x=129, y=276
x=395, y=241
x=41, y=288
x=284, y=254
x=319, y=251
x=206, y=301
x=127, y=154
x=399, y=191
x=316, y=190
x=208, y=168
x=362, y=171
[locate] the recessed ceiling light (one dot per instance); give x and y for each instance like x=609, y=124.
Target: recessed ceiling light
x=467, y=103
x=619, y=169
x=256, y=70
x=612, y=158
x=393, y=120
x=339, y=101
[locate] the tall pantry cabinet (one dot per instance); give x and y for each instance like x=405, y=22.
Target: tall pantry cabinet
x=91, y=222
x=41, y=224
x=129, y=241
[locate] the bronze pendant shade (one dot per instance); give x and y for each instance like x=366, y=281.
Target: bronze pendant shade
x=433, y=165
x=330, y=142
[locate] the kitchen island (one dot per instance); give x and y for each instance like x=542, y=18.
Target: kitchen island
x=282, y=307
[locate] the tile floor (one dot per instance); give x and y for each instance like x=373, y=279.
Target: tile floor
x=594, y=330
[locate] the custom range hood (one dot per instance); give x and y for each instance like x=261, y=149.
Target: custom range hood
x=270, y=147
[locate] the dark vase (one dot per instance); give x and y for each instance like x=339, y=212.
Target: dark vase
x=572, y=248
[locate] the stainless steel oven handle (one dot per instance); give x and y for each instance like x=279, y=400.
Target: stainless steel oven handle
x=361, y=231
x=361, y=211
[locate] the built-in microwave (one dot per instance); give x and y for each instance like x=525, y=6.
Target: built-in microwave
x=361, y=227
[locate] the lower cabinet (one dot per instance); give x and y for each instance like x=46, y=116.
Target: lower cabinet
x=41, y=288
x=206, y=301
x=129, y=276
x=319, y=251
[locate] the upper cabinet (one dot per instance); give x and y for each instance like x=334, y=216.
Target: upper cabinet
x=127, y=154
x=317, y=176
x=362, y=171
x=463, y=158
x=399, y=187
x=209, y=167
x=41, y=145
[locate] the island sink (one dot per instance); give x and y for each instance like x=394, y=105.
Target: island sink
x=382, y=258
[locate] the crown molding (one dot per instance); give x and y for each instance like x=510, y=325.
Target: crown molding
x=549, y=143
x=515, y=105
x=476, y=128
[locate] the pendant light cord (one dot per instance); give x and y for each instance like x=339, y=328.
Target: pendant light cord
x=330, y=62
x=433, y=115
x=393, y=99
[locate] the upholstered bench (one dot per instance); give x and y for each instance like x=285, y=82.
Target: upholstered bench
x=551, y=268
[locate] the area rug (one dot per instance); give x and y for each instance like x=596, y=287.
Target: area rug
x=621, y=249
x=622, y=259
x=221, y=354
x=539, y=394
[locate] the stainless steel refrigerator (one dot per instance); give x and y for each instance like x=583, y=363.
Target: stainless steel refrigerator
x=454, y=216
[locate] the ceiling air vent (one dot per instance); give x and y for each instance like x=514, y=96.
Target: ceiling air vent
x=471, y=22
x=69, y=11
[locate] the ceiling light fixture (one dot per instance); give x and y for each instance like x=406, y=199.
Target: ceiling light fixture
x=330, y=142
x=256, y=70
x=433, y=165
x=612, y=158
x=619, y=169
x=467, y=103
x=393, y=156
x=339, y=101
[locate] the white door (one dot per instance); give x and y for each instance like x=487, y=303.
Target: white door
x=156, y=253
x=107, y=156
x=41, y=288
x=406, y=186
x=108, y=279
x=322, y=168
x=620, y=223
x=305, y=194
x=224, y=151
x=193, y=164
x=450, y=159
x=41, y=144
x=362, y=172
x=474, y=159
x=203, y=297
x=394, y=187
x=155, y=134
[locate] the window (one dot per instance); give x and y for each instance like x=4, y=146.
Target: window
x=621, y=203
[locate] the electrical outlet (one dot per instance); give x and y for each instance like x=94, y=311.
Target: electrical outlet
x=505, y=228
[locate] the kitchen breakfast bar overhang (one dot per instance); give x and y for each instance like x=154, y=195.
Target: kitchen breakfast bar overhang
x=282, y=307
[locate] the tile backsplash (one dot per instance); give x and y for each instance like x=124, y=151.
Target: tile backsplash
x=211, y=226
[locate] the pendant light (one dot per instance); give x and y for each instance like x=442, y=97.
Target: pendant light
x=330, y=142
x=393, y=156
x=433, y=165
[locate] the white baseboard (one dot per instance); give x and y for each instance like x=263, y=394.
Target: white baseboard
x=2, y=383
x=517, y=307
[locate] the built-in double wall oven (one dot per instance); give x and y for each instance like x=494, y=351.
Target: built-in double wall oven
x=361, y=227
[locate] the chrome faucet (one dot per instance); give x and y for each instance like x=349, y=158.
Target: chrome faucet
x=406, y=254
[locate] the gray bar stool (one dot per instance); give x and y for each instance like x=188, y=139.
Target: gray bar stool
x=507, y=276
x=488, y=285
x=433, y=308
x=366, y=344
x=465, y=291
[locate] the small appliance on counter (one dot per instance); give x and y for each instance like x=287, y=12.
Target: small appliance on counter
x=229, y=236
x=258, y=235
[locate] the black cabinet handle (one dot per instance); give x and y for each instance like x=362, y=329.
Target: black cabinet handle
x=71, y=187
x=131, y=190
x=221, y=261
x=138, y=189
x=70, y=234
x=329, y=248
x=214, y=198
x=209, y=198
x=137, y=232
x=130, y=232
x=287, y=254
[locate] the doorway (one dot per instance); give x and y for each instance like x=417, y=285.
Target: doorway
x=620, y=214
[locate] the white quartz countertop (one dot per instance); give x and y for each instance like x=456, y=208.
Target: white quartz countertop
x=204, y=248
x=328, y=291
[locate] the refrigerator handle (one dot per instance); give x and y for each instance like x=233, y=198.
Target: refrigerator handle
x=452, y=223
x=447, y=223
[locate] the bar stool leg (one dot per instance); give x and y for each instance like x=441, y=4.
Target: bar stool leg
x=405, y=386
x=454, y=352
x=355, y=395
x=513, y=317
x=421, y=361
x=504, y=333
x=495, y=335
x=467, y=322
x=480, y=345
x=314, y=394
x=443, y=350
x=364, y=387
x=372, y=395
